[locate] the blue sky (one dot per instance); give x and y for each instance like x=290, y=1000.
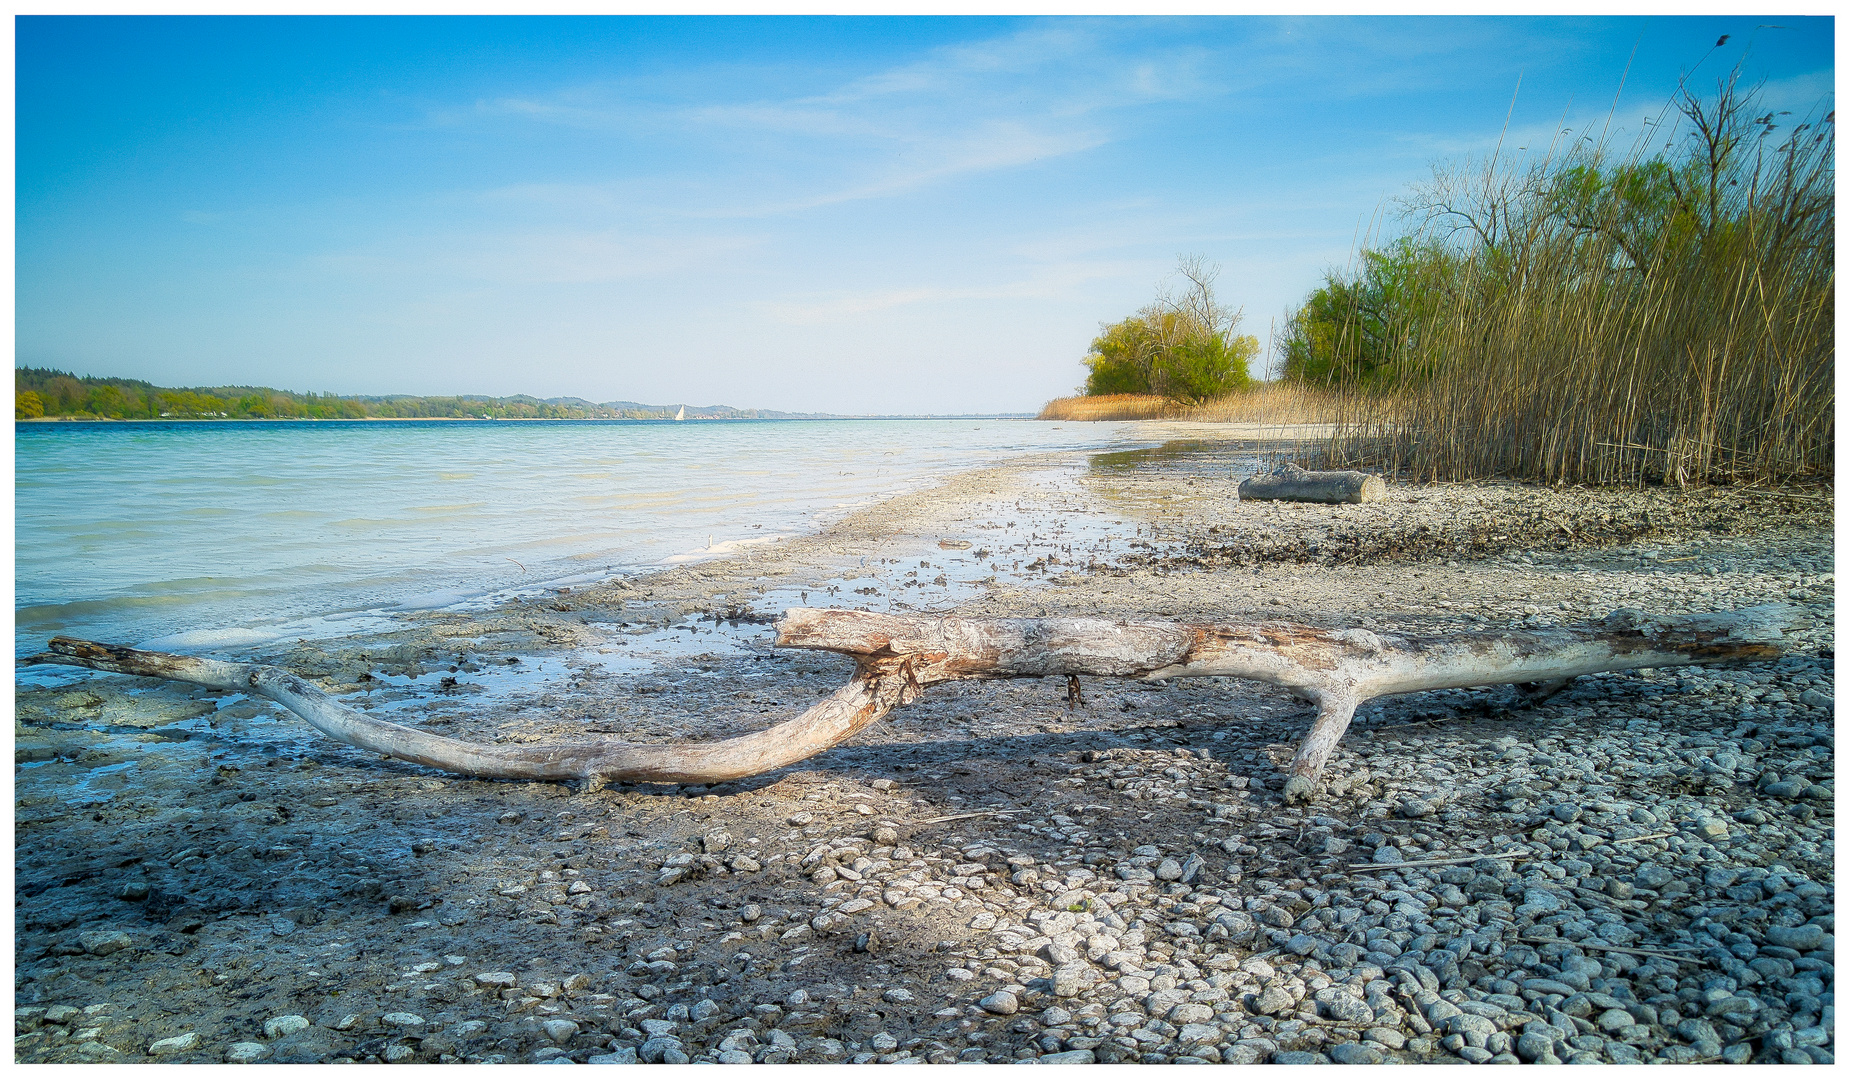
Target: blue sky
x=851, y=215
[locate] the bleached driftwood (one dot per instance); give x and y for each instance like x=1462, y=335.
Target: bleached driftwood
x=897, y=656
x=1289, y=483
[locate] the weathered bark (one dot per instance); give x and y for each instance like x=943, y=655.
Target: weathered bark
x=880, y=684
x=1290, y=483
x=897, y=656
x=1334, y=670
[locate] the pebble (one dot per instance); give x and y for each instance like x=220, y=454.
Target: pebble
x=1798, y=938
x=622, y=1055
x=244, y=1053
x=1067, y=1057
x=178, y=1044
x=1274, y=1000
x=1355, y=1053
x=1254, y=942
x=104, y=942
x=278, y=1027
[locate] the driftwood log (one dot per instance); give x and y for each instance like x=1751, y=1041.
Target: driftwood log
x=1289, y=483
x=897, y=656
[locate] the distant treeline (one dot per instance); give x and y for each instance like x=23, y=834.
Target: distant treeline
x=40, y=392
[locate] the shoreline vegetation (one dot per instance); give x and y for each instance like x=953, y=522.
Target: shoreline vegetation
x=44, y=394
x=1660, y=315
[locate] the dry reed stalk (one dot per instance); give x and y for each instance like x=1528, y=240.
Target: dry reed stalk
x=1614, y=348
x=1109, y=407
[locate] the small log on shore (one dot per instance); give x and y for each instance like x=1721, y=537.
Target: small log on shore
x=897, y=656
x=1289, y=483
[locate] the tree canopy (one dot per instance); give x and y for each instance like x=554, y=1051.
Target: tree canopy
x=1182, y=345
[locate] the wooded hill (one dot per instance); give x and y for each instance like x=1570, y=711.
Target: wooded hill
x=41, y=392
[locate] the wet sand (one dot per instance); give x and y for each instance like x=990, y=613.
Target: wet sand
x=195, y=871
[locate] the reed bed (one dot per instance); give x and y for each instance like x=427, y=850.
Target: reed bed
x=1649, y=320
x=1264, y=403
x=1110, y=407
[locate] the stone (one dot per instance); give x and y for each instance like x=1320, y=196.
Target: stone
x=1355, y=1053
x=402, y=1019
x=1549, y=986
x=1191, y=1012
x=1798, y=938
x=559, y=1030
x=1469, y=1024
x=178, y=1044
x=399, y=1052
x=1349, y=1009
x=1001, y=1003
x=1387, y=1036
x=1199, y=1034
x=1712, y=828
x=1248, y=1052
x=1067, y=1057
x=104, y=942
x=500, y=980
x=278, y=1027
x=900, y=995
x=1534, y=1046
x=621, y=1055
x=1169, y=870
x=1068, y=980
x=244, y=1053
x=1273, y=1001
x=1613, y=1020
x=657, y=1051
x=1387, y=854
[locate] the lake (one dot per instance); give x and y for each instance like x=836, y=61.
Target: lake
x=191, y=536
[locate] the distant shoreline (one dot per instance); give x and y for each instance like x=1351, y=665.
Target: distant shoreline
x=503, y=420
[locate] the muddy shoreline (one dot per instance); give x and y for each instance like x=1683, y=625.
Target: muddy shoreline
x=988, y=875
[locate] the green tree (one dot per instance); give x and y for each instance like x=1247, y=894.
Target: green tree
x=1356, y=329
x=1182, y=345
x=27, y=405
x=1119, y=361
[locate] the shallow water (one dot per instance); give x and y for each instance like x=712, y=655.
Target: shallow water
x=194, y=536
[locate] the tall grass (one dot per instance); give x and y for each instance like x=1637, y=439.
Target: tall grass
x=1264, y=403
x=1657, y=317
x=1110, y=407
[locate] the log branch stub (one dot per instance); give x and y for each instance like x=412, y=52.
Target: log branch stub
x=898, y=656
x=1289, y=483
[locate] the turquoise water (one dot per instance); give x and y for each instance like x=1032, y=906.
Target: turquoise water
x=193, y=536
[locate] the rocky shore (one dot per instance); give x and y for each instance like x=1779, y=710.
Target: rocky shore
x=1639, y=869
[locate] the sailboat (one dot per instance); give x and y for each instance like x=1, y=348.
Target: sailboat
x=681, y=413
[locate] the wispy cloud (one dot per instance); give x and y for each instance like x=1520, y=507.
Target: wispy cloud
x=555, y=257
x=1046, y=91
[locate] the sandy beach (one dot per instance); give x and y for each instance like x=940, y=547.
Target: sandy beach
x=1639, y=869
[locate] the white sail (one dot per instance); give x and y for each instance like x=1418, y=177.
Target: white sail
x=681, y=413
